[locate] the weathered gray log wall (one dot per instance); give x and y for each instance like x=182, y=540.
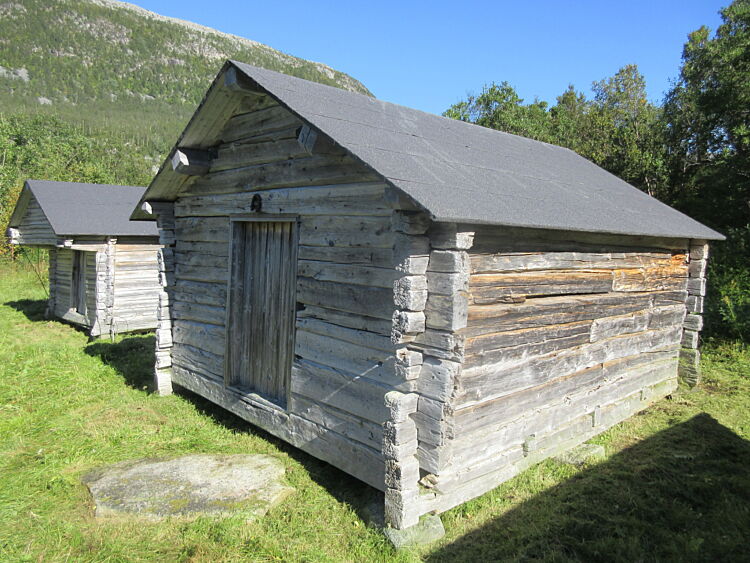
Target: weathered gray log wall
x=555, y=337
x=121, y=285
x=34, y=228
x=135, y=287
x=344, y=358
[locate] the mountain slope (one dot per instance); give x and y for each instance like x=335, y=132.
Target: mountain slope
x=78, y=51
x=115, y=70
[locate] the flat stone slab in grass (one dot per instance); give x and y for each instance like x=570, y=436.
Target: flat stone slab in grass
x=191, y=485
x=581, y=455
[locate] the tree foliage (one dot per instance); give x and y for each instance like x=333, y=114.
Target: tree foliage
x=45, y=147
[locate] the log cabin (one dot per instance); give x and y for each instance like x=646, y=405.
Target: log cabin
x=426, y=304
x=103, y=270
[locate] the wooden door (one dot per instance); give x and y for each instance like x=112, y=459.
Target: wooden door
x=261, y=307
x=78, y=283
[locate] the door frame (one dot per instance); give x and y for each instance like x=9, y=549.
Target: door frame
x=258, y=218
x=78, y=283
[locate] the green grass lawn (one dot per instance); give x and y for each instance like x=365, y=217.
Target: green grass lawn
x=675, y=485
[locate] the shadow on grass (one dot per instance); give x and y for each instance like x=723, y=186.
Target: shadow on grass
x=32, y=308
x=681, y=495
x=133, y=358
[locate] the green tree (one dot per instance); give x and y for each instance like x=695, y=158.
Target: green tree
x=708, y=120
x=707, y=113
x=629, y=129
x=500, y=107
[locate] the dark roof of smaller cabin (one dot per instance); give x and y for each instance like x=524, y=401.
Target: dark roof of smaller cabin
x=89, y=209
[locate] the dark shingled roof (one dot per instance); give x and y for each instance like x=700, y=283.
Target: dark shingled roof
x=465, y=173
x=90, y=209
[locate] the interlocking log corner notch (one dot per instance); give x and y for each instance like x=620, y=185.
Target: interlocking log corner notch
x=454, y=319
x=102, y=266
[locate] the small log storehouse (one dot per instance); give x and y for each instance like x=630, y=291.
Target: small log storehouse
x=103, y=271
x=428, y=305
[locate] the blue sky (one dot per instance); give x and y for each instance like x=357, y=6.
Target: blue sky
x=429, y=55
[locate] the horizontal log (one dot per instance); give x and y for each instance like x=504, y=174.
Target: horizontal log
x=381, y=327
x=346, y=424
x=494, y=239
x=345, y=334
x=202, y=274
x=346, y=273
x=337, y=199
x=662, y=317
x=200, y=335
x=359, y=361
x=533, y=261
x=492, y=288
x=198, y=361
x=248, y=152
x=202, y=259
x=202, y=229
x=493, y=346
x=651, y=279
x=309, y=171
x=518, y=372
x=342, y=230
x=346, y=392
x=197, y=312
x=213, y=248
x=261, y=121
x=510, y=407
x=546, y=311
x=544, y=417
x=359, y=299
x=496, y=467
x=214, y=294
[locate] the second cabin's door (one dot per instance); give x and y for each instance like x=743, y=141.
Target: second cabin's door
x=78, y=283
x=261, y=308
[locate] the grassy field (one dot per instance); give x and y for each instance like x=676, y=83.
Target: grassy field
x=675, y=484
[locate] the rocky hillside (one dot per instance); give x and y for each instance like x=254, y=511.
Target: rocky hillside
x=110, y=65
x=75, y=51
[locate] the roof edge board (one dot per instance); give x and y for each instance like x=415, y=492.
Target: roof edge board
x=166, y=165
x=22, y=204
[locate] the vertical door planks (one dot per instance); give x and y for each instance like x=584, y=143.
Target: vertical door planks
x=261, y=308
